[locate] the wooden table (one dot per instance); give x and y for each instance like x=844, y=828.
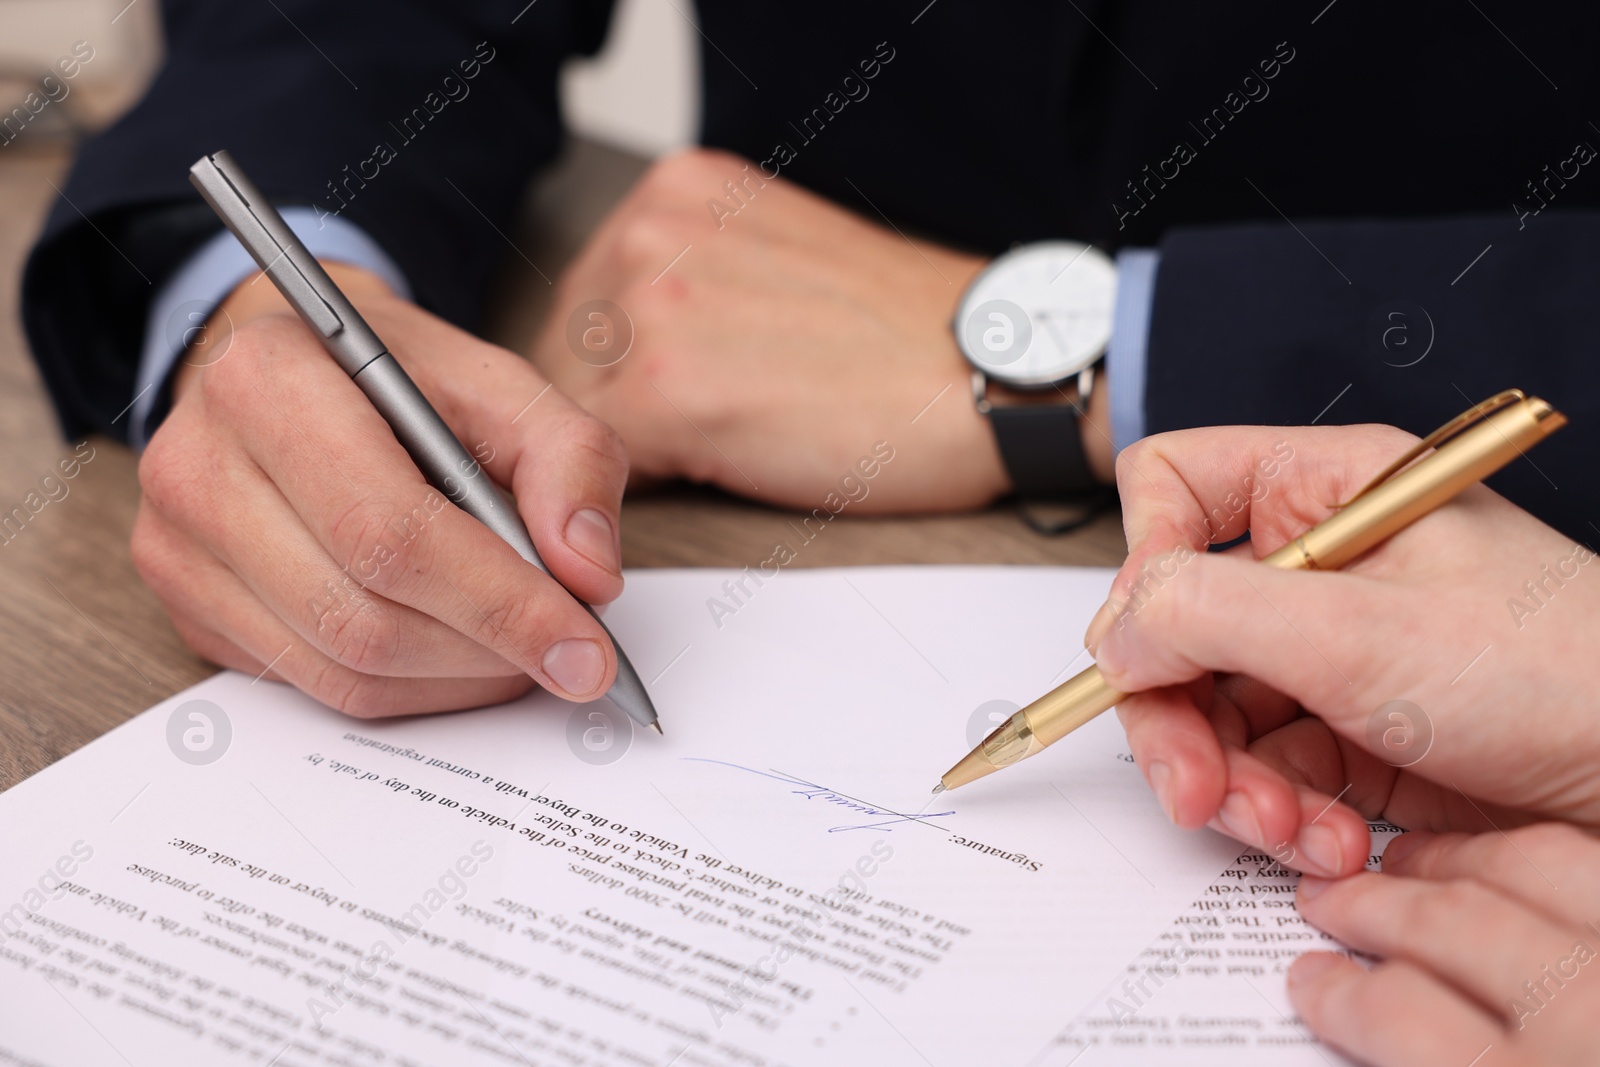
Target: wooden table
x=84, y=645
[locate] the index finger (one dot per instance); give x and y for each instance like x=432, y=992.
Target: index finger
x=337, y=463
x=1191, y=490
x=566, y=468
x=1554, y=867
x=1215, y=484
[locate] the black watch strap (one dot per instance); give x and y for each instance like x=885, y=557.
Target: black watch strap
x=1042, y=449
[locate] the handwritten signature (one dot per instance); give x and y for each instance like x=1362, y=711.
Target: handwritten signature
x=813, y=791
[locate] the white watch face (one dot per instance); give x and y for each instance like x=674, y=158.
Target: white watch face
x=1038, y=314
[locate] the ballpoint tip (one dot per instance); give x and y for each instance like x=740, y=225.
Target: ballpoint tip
x=656, y=726
x=938, y=789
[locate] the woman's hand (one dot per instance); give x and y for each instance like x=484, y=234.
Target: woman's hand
x=1491, y=946
x=1265, y=700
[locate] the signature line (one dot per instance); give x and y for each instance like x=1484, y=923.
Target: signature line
x=872, y=809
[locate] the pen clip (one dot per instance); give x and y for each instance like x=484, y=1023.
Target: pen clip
x=1475, y=414
x=239, y=212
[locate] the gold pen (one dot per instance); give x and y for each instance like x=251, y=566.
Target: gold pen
x=1466, y=450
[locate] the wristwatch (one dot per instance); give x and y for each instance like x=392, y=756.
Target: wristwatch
x=1034, y=324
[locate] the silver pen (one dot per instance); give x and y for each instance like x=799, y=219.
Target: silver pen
x=353, y=345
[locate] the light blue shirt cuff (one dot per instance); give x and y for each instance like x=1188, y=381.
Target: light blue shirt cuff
x=1130, y=338
x=187, y=299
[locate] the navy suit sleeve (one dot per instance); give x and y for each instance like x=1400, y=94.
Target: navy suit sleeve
x=419, y=121
x=1405, y=322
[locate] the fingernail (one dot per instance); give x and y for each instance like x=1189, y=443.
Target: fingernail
x=1161, y=782
x=1108, y=653
x=1099, y=625
x=1310, y=967
x=1238, y=818
x=1319, y=847
x=1311, y=886
x=1400, y=848
x=576, y=665
x=592, y=536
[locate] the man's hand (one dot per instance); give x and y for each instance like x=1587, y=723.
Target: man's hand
x=1444, y=681
x=286, y=530
x=777, y=337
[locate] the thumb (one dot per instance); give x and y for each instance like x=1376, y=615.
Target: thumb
x=1191, y=612
x=1151, y=562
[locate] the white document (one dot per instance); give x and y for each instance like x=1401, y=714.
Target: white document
x=541, y=883
x=1210, y=989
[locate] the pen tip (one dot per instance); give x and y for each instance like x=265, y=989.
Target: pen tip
x=656, y=726
x=938, y=789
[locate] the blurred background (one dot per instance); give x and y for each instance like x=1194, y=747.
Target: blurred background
x=641, y=94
